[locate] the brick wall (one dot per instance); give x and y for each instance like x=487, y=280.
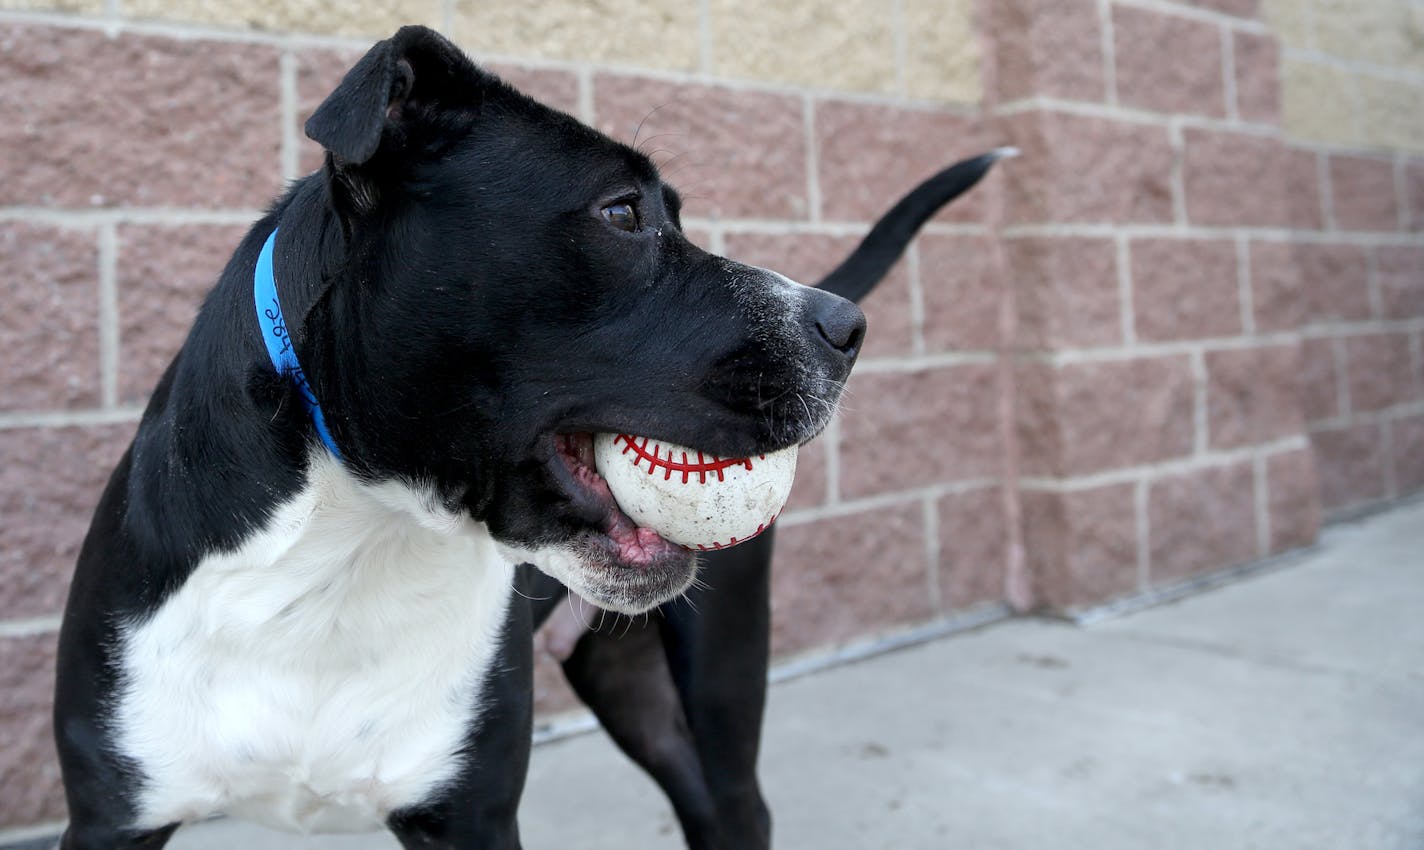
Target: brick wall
x=1161, y=343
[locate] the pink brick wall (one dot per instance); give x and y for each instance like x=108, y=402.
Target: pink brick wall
x=1163, y=342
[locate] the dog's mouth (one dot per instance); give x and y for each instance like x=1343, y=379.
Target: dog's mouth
x=592, y=499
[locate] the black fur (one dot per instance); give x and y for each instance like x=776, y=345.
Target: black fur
x=458, y=299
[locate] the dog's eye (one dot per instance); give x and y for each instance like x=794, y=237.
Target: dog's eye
x=623, y=216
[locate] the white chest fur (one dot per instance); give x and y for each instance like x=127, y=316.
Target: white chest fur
x=324, y=673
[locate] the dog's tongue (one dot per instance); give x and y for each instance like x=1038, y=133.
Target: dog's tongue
x=636, y=545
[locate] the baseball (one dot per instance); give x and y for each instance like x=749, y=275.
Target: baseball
x=694, y=499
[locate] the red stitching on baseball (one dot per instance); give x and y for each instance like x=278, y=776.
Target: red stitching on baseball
x=716, y=545
x=701, y=467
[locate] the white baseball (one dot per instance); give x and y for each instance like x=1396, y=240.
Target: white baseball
x=691, y=498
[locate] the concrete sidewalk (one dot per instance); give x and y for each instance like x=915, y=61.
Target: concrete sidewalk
x=1284, y=710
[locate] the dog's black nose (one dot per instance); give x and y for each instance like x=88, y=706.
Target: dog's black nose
x=840, y=324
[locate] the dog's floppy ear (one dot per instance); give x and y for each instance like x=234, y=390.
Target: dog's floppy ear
x=417, y=67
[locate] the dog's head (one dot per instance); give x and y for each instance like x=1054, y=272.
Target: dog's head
x=507, y=281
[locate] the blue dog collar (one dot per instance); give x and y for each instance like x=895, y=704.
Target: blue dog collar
x=279, y=341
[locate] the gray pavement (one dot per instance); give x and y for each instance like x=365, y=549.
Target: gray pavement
x=1284, y=710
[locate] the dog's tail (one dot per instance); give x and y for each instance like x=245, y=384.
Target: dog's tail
x=882, y=246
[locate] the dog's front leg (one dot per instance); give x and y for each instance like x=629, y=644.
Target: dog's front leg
x=479, y=810
x=717, y=644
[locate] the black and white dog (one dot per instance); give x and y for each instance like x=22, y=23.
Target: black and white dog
x=682, y=693
x=293, y=603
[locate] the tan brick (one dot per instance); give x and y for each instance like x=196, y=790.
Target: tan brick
x=646, y=33
x=88, y=7
x=741, y=153
x=164, y=274
x=1081, y=169
x=1253, y=395
x=1047, y=48
x=136, y=120
x=1381, y=371
x=1319, y=380
x=49, y=326
x=1185, y=288
x=1201, y=521
x=1190, y=83
x=901, y=431
x=941, y=50
x=29, y=774
x=973, y=548
x=807, y=258
x=1087, y=417
x=1407, y=438
x=1080, y=547
x=1351, y=463
x=1364, y=194
x=1400, y=270
x=871, y=154
x=1239, y=179
x=1066, y=292
x=960, y=286
x=838, y=579
x=844, y=45
x=1258, y=81
x=50, y=479
x=1290, y=19
x=375, y=18
x=1319, y=102
x=1391, y=113
x=1381, y=33
x=1293, y=499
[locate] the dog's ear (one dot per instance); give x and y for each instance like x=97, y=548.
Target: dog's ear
x=383, y=93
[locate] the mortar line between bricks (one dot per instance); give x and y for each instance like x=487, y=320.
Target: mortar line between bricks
x=126, y=215
x=1366, y=417
x=1401, y=191
x=813, y=159
x=1195, y=13
x=1372, y=285
x=917, y=300
x=1178, y=176
x=196, y=32
x=1342, y=379
x=1348, y=328
x=1127, y=315
x=1197, y=231
x=108, y=316
x=290, y=155
x=898, y=498
x=936, y=592
x=588, y=110
x=1327, y=189
x=1142, y=525
x=29, y=626
x=782, y=227
x=1261, y=501
x=1201, y=427
x=1354, y=66
x=833, y=461
x=1149, y=471
x=1093, y=109
x=1245, y=295
x=69, y=418
x=1416, y=352
x=881, y=365
x=1109, y=46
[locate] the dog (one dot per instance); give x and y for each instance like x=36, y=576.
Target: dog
x=682, y=693
x=293, y=603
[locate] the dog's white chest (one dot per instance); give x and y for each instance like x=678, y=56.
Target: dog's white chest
x=322, y=675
